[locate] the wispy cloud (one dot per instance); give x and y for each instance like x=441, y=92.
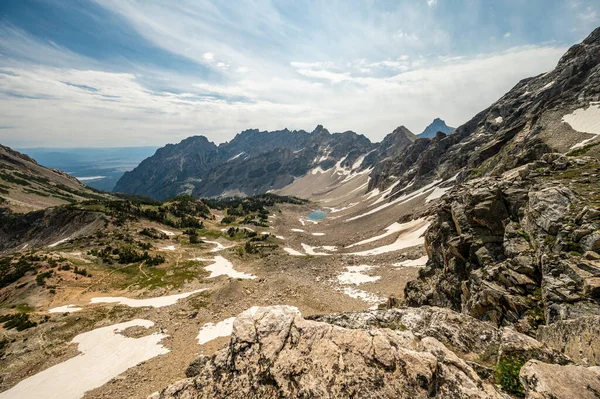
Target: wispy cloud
x=269, y=65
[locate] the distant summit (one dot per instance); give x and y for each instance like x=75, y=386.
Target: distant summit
x=437, y=125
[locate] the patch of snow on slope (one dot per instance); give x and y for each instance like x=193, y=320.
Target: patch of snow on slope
x=385, y=193
x=399, y=200
x=297, y=230
x=363, y=295
x=167, y=232
x=355, y=275
x=422, y=261
x=219, y=246
x=167, y=248
x=65, y=309
x=318, y=234
x=293, y=252
x=223, y=267
x=105, y=353
x=211, y=331
x=391, y=229
x=157, y=302
x=59, y=242
x=585, y=120
x=408, y=238
x=236, y=157
x=351, y=205
x=311, y=250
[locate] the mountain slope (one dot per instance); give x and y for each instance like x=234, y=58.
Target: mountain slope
x=27, y=186
x=437, y=125
x=253, y=162
x=528, y=121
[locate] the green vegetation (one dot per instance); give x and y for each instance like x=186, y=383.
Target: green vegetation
x=18, y=321
x=126, y=254
x=252, y=209
x=180, y=212
x=507, y=372
x=582, y=150
x=11, y=271
x=12, y=179
x=40, y=279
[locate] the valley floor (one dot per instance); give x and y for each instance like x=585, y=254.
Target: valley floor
x=318, y=267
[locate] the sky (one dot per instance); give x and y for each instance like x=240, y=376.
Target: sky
x=113, y=73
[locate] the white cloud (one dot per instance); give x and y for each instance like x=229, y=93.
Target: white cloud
x=264, y=71
x=431, y=3
x=507, y=35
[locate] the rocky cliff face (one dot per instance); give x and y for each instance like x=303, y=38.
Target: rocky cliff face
x=517, y=248
x=517, y=129
x=252, y=163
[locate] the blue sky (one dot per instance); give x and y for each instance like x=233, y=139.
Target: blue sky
x=129, y=73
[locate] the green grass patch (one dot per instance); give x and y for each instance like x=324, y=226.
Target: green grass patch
x=506, y=374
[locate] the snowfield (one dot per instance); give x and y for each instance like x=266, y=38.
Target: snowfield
x=105, y=353
x=410, y=237
x=211, y=331
x=157, y=302
x=223, y=267
x=65, y=309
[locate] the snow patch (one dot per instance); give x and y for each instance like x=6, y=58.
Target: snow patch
x=222, y=266
x=104, y=355
x=157, y=302
x=59, y=242
x=298, y=230
x=293, y=252
x=410, y=237
x=311, y=250
x=419, y=262
x=167, y=248
x=585, y=120
x=354, y=275
x=211, y=331
x=167, y=232
x=65, y=309
x=363, y=295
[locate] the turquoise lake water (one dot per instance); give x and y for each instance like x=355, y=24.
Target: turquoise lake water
x=317, y=215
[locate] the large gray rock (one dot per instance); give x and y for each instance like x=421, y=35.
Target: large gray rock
x=275, y=353
x=578, y=338
x=551, y=381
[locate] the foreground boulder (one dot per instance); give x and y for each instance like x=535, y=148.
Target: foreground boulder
x=551, y=381
x=275, y=353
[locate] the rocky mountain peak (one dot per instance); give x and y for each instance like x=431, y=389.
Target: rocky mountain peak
x=438, y=125
x=319, y=129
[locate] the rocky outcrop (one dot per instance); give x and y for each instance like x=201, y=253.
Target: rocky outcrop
x=458, y=331
x=398, y=353
x=579, y=339
x=509, y=249
x=519, y=128
x=275, y=353
x=551, y=381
